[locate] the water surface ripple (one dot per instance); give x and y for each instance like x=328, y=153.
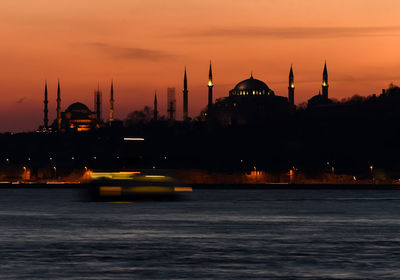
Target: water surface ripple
x=210, y=234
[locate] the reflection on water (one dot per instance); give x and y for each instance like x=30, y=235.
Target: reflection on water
x=217, y=234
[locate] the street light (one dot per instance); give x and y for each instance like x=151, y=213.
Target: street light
x=55, y=172
x=24, y=174
x=371, y=168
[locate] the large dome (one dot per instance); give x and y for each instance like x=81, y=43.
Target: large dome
x=251, y=87
x=77, y=107
x=78, y=111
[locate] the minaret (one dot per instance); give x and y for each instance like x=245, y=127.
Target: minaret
x=325, y=84
x=291, y=87
x=210, y=88
x=97, y=104
x=185, y=98
x=155, y=107
x=58, y=107
x=111, y=119
x=45, y=111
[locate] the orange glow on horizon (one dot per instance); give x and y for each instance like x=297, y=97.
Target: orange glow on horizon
x=144, y=46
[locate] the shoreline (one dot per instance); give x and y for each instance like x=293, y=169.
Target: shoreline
x=268, y=186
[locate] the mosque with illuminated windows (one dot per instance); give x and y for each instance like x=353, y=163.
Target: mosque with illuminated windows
x=78, y=117
x=252, y=101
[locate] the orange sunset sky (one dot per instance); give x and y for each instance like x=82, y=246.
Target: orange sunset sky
x=144, y=45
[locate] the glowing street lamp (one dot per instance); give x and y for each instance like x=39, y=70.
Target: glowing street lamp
x=24, y=174
x=291, y=175
x=371, y=168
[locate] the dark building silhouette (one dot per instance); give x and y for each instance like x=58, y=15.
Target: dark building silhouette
x=78, y=117
x=210, y=88
x=325, y=84
x=155, y=111
x=171, y=103
x=251, y=101
x=97, y=104
x=111, y=118
x=185, y=98
x=46, y=110
x=291, y=87
x=321, y=99
x=58, y=106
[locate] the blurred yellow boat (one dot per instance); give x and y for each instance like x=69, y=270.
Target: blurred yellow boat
x=127, y=185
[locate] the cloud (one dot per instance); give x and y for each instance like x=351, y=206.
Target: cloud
x=21, y=100
x=296, y=32
x=131, y=52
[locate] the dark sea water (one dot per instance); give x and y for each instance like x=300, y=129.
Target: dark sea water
x=210, y=234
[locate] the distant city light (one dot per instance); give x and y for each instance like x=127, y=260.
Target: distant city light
x=133, y=139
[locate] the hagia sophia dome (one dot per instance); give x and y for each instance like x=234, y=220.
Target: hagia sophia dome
x=251, y=86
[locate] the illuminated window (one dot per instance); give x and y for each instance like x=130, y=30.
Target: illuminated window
x=254, y=92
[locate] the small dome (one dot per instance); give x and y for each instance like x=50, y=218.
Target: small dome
x=251, y=87
x=77, y=106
